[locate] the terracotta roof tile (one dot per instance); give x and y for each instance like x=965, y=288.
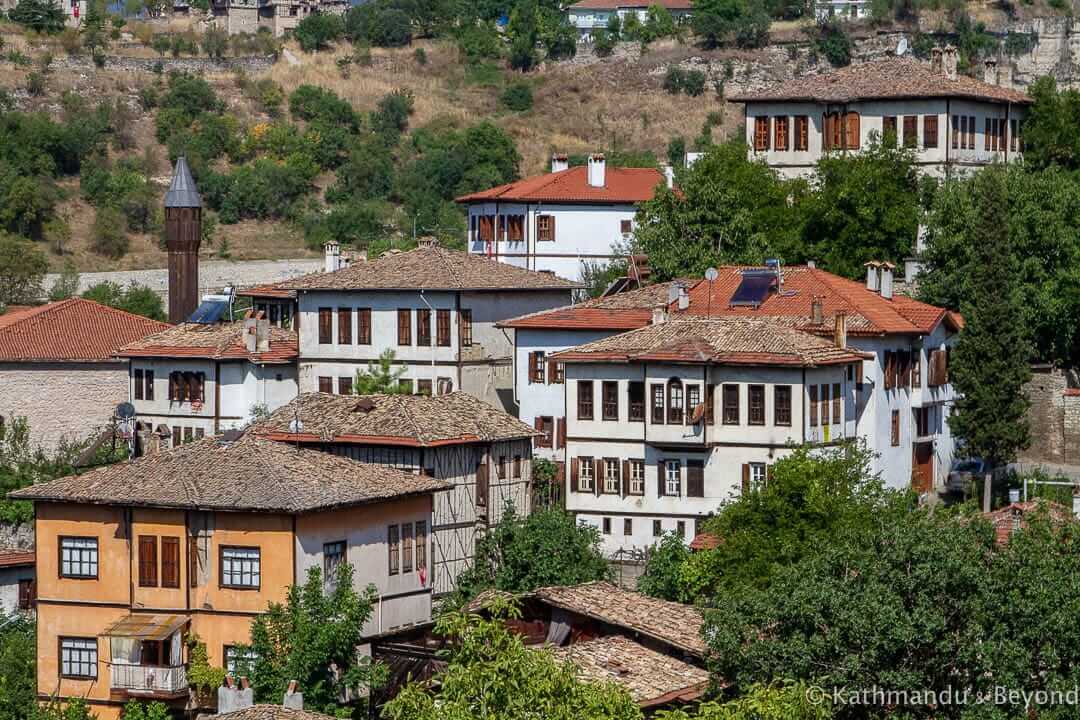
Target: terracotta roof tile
x=891, y=78
x=74, y=330
x=650, y=677
x=415, y=420
x=16, y=558
x=1012, y=517
x=430, y=267
x=249, y=474
x=623, y=311
x=267, y=712
x=219, y=341
x=704, y=541
x=722, y=341
x=621, y=185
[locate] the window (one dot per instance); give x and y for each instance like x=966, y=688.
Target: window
x=517, y=467
x=610, y=399
x=344, y=385
x=922, y=421
x=625, y=227
x=442, y=328
x=239, y=661
x=465, y=328
x=326, y=384
x=675, y=401
x=482, y=470
x=612, y=481
x=487, y=227
x=627, y=526
x=888, y=130
x=585, y=474
x=326, y=332
x=503, y=467
x=637, y=477
x=545, y=228
x=756, y=405
x=693, y=401
x=781, y=133
x=421, y=545
x=761, y=133
x=148, y=385
x=406, y=547
x=545, y=424
x=680, y=528
x=188, y=434
x=423, y=327
x=138, y=382
x=930, y=131
x=556, y=372
x=170, y=561
x=836, y=403
x=813, y=405
x=971, y=133
x=1014, y=135
x=423, y=387
x=730, y=404
x=240, y=567
x=78, y=658
x=515, y=228
x=27, y=594
x=851, y=131
x=199, y=433
x=657, y=528
x=78, y=557
x=955, y=132
x=607, y=526
x=658, y=404
x=636, y=400
x=833, y=131
x=406, y=386
x=177, y=436
x=536, y=366
x=916, y=368
x=344, y=326
x=782, y=405
x=393, y=543
x=585, y=400
x=894, y=434
x=824, y=406
x=333, y=555
x=404, y=326
x=186, y=386
x=445, y=385
x=757, y=475
x=672, y=476
x=802, y=133
x=710, y=402
x=911, y=131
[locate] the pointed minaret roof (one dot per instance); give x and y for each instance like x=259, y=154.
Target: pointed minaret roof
x=182, y=191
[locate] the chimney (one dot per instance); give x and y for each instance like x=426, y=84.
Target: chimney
x=812, y=264
x=669, y=175
x=559, y=162
x=935, y=61
x=817, y=315
x=840, y=329
x=693, y=157
x=887, y=280
x=948, y=62
x=294, y=700
x=183, y=235
x=659, y=315
x=597, y=170
x=873, y=275
x=231, y=698
x=990, y=71
x=332, y=256
x=684, y=297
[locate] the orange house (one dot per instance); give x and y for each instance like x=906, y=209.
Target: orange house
x=135, y=557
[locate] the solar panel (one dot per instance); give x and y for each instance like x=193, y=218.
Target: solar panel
x=209, y=312
x=753, y=288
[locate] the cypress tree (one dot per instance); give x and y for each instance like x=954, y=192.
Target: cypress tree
x=990, y=360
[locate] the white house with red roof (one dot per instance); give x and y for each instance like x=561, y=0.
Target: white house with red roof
x=58, y=367
x=558, y=221
x=588, y=16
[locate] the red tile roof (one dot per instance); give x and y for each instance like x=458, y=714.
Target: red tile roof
x=223, y=341
x=889, y=79
x=621, y=185
x=704, y=541
x=1013, y=517
x=74, y=330
x=616, y=4
x=270, y=290
x=623, y=311
x=16, y=558
x=867, y=312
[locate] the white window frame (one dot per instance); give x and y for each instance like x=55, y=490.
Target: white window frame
x=758, y=475
x=234, y=655
x=78, y=657
x=611, y=476
x=241, y=567
x=79, y=557
x=585, y=474
x=673, y=476
x=637, y=477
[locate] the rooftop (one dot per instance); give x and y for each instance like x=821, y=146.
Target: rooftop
x=621, y=185
x=248, y=474
x=650, y=677
x=429, y=267
x=10, y=558
x=74, y=330
x=1012, y=517
x=720, y=341
x=217, y=341
x=615, y=4
x=888, y=79
x=267, y=712
x=408, y=420
x=269, y=290
x=623, y=311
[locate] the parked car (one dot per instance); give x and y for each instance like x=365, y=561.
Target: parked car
x=963, y=474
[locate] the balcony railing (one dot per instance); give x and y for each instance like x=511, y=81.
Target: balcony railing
x=150, y=678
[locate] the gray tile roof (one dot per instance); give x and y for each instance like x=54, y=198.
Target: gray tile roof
x=182, y=191
x=267, y=712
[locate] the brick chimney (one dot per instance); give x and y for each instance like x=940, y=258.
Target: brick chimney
x=597, y=170
x=990, y=72
x=887, y=269
x=948, y=62
x=935, y=61
x=331, y=256
x=840, y=329
x=183, y=235
x=294, y=699
x=817, y=316
x=256, y=332
x=559, y=162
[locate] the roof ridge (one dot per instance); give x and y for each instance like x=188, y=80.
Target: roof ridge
x=407, y=414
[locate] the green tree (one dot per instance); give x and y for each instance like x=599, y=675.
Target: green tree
x=318, y=31
x=18, y=666
x=44, y=16
x=603, y=43
x=718, y=21
x=92, y=28
x=490, y=673
x=383, y=378
x=789, y=701
x=67, y=285
x=663, y=567
x=136, y=299
x=22, y=268
x=312, y=638
x=215, y=42
x=1052, y=126
x=135, y=710
x=832, y=40
x=990, y=360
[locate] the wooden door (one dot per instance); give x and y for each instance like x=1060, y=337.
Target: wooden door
x=922, y=475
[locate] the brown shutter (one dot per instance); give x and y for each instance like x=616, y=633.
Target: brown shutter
x=575, y=465
x=344, y=326
x=597, y=475
x=538, y=425
x=625, y=478
x=852, y=131
x=148, y=561
x=560, y=432
x=768, y=473
x=552, y=371
x=661, y=467
x=859, y=373
x=170, y=562
x=746, y=478
x=695, y=479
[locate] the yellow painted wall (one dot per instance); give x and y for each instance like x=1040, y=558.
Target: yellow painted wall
x=106, y=524
x=272, y=534
x=217, y=631
x=159, y=524
x=56, y=621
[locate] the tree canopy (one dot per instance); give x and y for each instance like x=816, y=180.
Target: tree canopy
x=136, y=299
x=22, y=269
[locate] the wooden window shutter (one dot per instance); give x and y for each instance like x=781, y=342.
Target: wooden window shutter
x=859, y=373
x=170, y=562
x=661, y=477
x=561, y=432
x=852, y=131
x=625, y=478
x=552, y=371
x=575, y=471
x=768, y=473
x=986, y=134
x=148, y=561
x=344, y=329
x=538, y=425
x=193, y=562
x=746, y=478
x=597, y=475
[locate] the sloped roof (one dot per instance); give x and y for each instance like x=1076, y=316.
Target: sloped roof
x=867, y=312
x=16, y=558
x=74, y=330
x=249, y=474
x=219, y=341
x=429, y=267
x=888, y=79
x=182, y=192
x=407, y=420
x=623, y=311
x=1009, y=519
x=650, y=677
x=721, y=341
x=621, y=185
x=268, y=712
x=616, y=4
x=269, y=290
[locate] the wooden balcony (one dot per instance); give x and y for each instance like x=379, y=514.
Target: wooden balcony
x=159, y=681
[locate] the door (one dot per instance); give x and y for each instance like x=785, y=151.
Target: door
x=922, y=467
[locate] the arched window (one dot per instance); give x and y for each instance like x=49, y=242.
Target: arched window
x=675, y=401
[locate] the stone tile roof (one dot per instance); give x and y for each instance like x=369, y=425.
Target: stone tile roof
x=621, y=186
x=247, y=474
x=74, y=330
x=671, y=623
x=650, y=677
x=889, y=79
x=269, y=290
x=721, y=341
x=16, y=558
x=218, y=341
x=429, y=267
x=622, y=311
x=267, y=712
x=867, y=312
x=409, y=420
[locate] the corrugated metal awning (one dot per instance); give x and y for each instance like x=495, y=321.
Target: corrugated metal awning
x=146, y=627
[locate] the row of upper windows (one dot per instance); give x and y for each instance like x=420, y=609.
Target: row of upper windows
x=240, y=566
x=345, y=386
x=657, y=527
x=405, y=326
x=184, y=386
x=511, y=228
x=903, y=368
x=674, y=478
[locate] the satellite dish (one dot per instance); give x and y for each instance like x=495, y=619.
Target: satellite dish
x=711, y=274
x=901, y=47
x=125, y=411
x=295, y=426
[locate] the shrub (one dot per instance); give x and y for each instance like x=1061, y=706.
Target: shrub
x=378, y=25
x=478, y=42
x=603, y=43
x=834, y=43
x=523, y=53
x=674, y=80
x=518, y=97
x=35, y=84
x=392, y=116
x=694, y=83
x=752, y=30
x=42, y=16
x=109, y=234
x=215, y=42
x=562, y=42
x=317, y=31
x=70, y=41
x=309, y=102
x=420, y=55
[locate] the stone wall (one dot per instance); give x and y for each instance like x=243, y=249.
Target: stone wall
x=1054, y=416
x=251, y=63
x=17, y=537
